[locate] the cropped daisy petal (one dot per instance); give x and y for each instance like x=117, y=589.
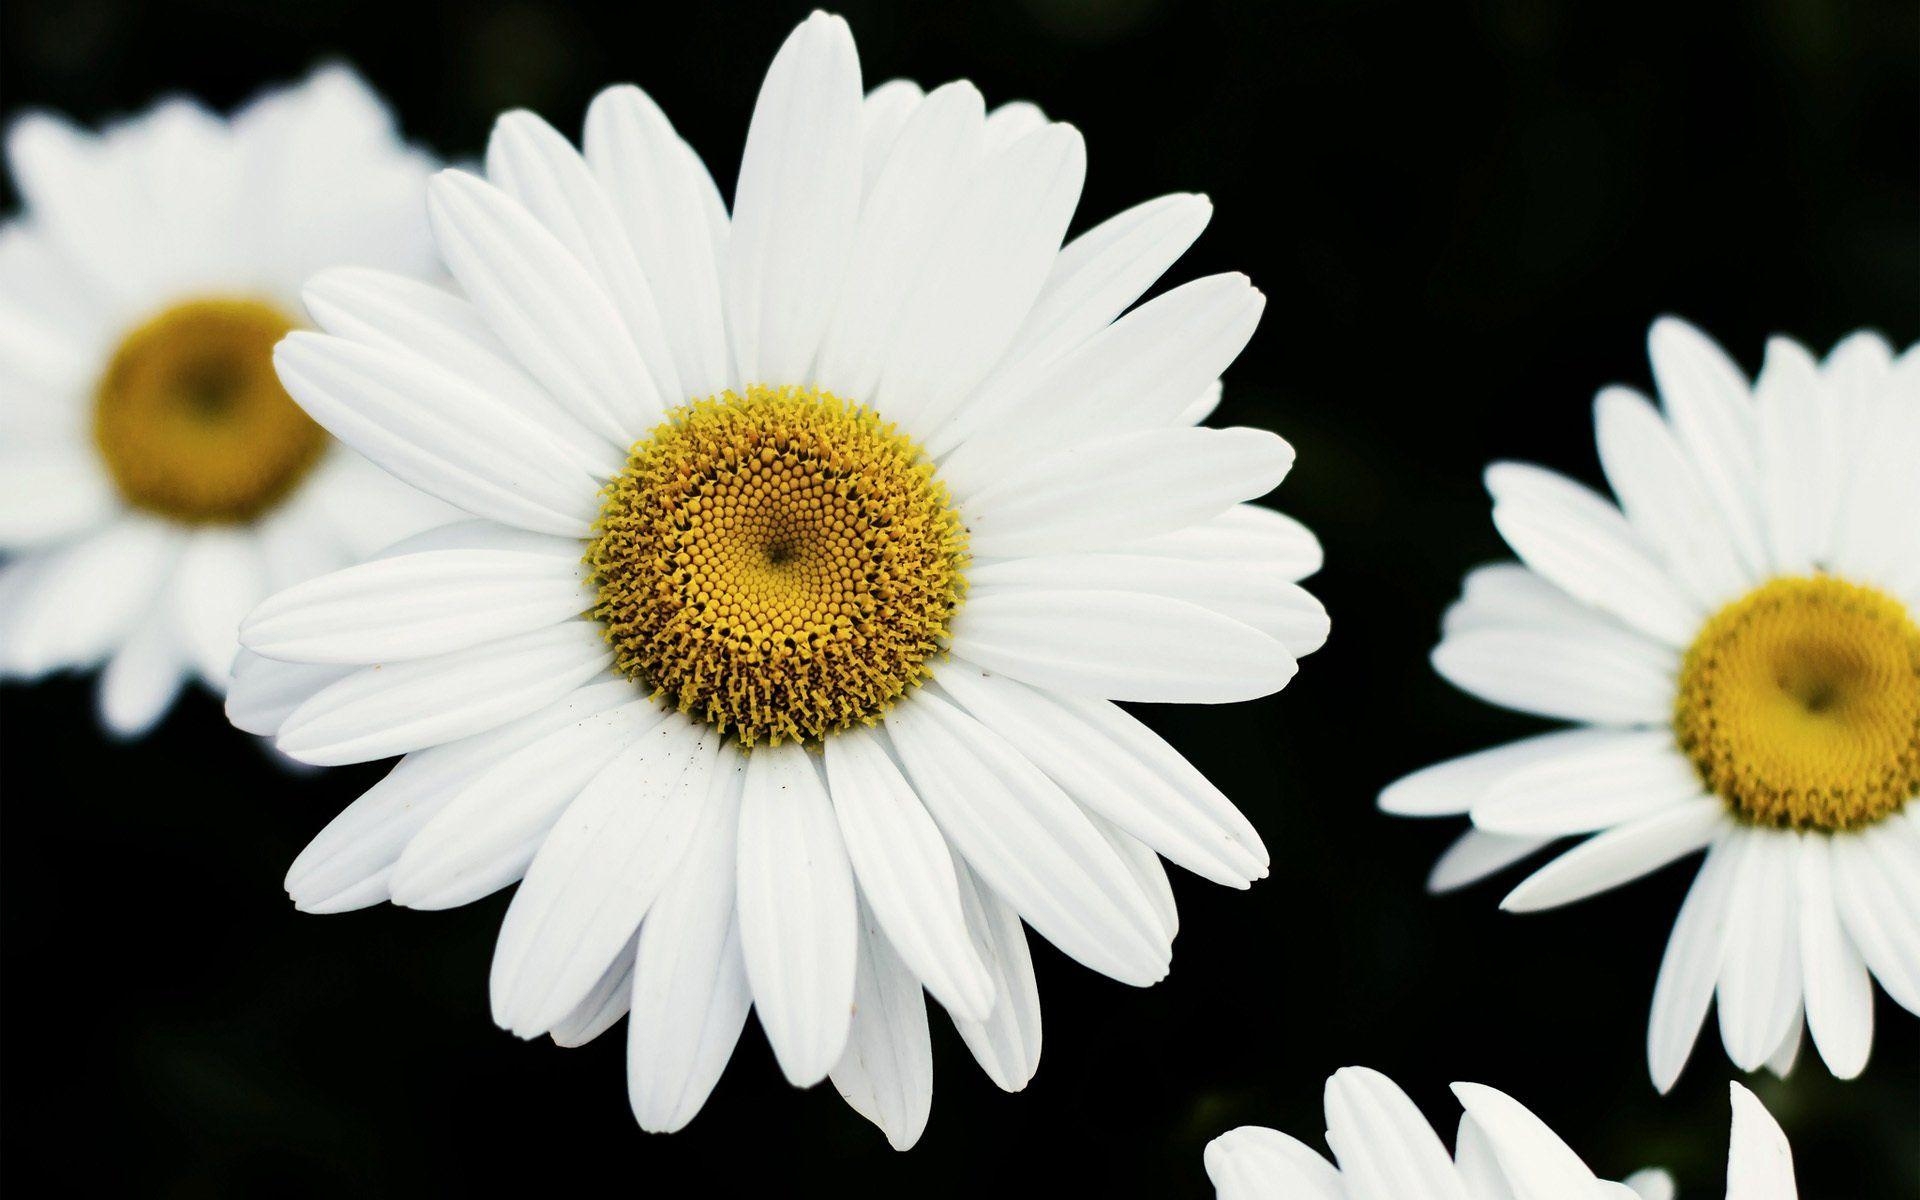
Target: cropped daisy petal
x=1689, y=970
x=1180, y=476
x=690, y=991
x=383, y=710
x=1385, y=1148
x=797, y=920
x=1620, y=855
x=1475, y=855
x=1585, y=546
x=488, y=826
x=659, y=189
x=597, y=872
x=1007, y=1043
x=1760, y=977
x=546, y=308
x=1839, y=991
x=886, y=1073
x=1611, y=678
x=797, y=202
x=905, y=872
x=1759, y=1161
x=1029, y=842
x=1086, y=643
x=983, y=268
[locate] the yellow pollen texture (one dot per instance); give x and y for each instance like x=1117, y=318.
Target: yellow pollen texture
x=780, y=564
x=1800, y=704
x=191, y=420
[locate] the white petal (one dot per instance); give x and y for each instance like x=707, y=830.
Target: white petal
x=981, y=275
x=530, y=161
x=1709, y=404
x=1651, y=1184
x=49, y=493
x=1141, y=372
x=418, y=605
x=1251, y=592
x=1584, y=545
x=1759, y=1161
x=1029, y=842
x=1107, y=776
x=489, y=825
x=1245, y=532
x=405, y=316
x=1475, y=855
x=543, y=305
x=445, y=437
x=370, y=835
x=1536, y=1163
x=1007, y=1043
x=1880, y=916
x=883, y=114
x=1093, y=280
x=1252, y=1163
x=1599, y=676
x=1386, y=1149
x=660, y=191
x=142, y=678
x=1619, y=777
x=886, y=1073
x=797, y=919
x=1451, y=788
x=597, y=873
x=929, y=161
x=265, y=692
x=1664, y=498
x=1148, y=871
x=1120, y=646
x=81, y=601
x=604, y=1005
x=1620, y=855
x=796, y=203
x=383, y=710
x=905, y=872
x=219, y=577
x=1013, y=121
x=1509, y=596
x=1802, y=461
x=690, y=993
x=1112, y=490
x=1839, y=992
x=1689, y=969
x=1760, y=976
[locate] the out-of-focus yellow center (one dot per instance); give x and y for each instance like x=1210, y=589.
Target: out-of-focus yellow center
x=1800, y=704
x=780, y=564
x=191, y=420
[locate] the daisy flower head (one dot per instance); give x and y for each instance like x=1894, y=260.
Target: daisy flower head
x=156, y=481
x=1383, y=1149
x=812, y=543
x=1736, y=640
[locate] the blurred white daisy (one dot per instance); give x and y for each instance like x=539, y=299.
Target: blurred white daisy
x=1738, y=641
x=155, y=479
x=1383, y=1149
x=871, y=476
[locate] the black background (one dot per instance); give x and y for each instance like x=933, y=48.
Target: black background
x=1464, y=216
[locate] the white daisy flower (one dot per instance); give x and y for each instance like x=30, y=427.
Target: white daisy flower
x=156, y=482
x=1383, y=1149
x=814, y=542
x=1738, y=642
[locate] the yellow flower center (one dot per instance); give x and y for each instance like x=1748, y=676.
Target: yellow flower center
x=191, y=420
x=1800, y=704
x=781, y=564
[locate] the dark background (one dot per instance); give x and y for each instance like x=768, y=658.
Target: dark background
x=1465, y=216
